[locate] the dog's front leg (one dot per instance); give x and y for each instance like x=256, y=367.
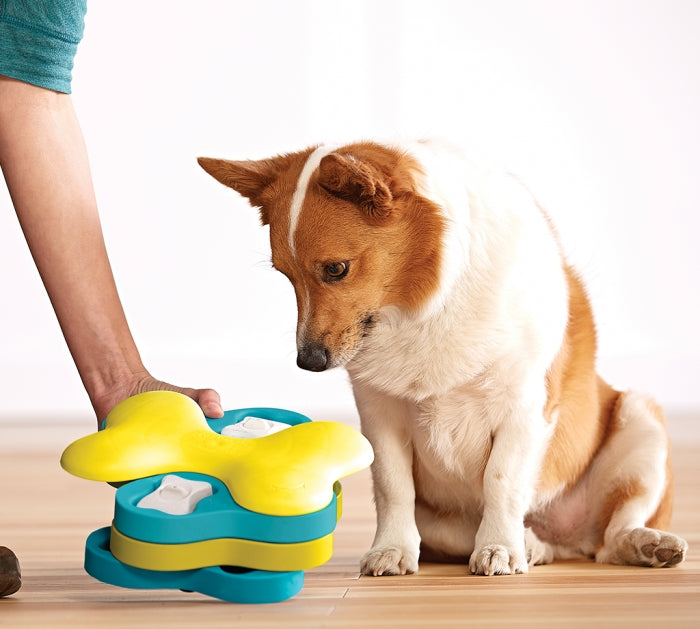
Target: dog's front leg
x=386, y=423
x=508, y=486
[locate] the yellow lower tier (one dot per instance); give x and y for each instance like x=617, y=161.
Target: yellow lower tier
x=221, y=552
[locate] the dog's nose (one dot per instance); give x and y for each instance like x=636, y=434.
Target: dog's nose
x=313, y=358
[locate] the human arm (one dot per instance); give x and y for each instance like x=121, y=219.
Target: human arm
x=45, y=164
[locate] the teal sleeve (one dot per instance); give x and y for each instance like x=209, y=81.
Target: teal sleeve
x=39, y=39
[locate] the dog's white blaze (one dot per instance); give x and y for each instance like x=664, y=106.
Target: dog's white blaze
x=302, y=185
x=303, y=318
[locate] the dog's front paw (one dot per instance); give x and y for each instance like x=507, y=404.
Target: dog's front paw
x=497, y=559
x=389, y=560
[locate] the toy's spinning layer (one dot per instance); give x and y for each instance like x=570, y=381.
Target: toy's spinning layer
x=215, y=516
x=286, y=473
x=216, y=531
x=265, y=499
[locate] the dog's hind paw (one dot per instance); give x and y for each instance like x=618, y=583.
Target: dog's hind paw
x=389, y=560
x=537, y=551
x=645, y=547
x=496, y=559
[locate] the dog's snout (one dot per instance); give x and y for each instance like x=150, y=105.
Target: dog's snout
x=313, y=358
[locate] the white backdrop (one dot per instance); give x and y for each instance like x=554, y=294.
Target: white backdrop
x=595, y=103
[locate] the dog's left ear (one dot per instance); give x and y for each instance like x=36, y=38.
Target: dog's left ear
x=356, y=181
x=248, y=177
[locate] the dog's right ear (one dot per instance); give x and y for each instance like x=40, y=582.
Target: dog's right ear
x=359, y=182
x=249, y=178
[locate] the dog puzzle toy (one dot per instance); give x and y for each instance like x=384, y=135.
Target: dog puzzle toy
x=236, y=507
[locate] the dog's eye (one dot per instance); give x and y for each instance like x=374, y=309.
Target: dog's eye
x=335, y=271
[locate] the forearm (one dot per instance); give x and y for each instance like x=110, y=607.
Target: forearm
x=46, y=168
x=45, y=164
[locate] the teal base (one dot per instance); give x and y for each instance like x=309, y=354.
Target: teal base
x=235, y=585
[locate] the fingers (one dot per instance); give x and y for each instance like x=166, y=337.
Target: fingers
x=209, y=401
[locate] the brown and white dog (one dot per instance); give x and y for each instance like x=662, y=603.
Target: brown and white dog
x=470, y=343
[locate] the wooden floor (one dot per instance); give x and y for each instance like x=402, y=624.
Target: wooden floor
x=45, y=516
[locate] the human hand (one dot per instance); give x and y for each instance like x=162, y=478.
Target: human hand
x=208, y=399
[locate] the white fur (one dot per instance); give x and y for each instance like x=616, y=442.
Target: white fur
x=297, y=203
x=312, y=163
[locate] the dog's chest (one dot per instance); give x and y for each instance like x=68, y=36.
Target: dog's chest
x=419, y=360
x=452, y=442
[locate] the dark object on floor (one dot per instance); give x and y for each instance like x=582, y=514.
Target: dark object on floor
x=10, y=575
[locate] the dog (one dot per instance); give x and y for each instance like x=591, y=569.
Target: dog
x=441, y=287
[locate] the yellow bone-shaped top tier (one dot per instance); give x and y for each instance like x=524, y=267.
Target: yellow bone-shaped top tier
x=286, y=473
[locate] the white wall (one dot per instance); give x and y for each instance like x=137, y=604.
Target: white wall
x=594, y=102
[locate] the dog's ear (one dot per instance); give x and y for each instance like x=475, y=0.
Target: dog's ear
x=356, y=181
x=248, y=177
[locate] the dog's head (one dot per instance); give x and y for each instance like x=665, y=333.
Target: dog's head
x=350, y=230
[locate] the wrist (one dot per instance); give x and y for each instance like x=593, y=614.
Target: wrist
x=107, y=387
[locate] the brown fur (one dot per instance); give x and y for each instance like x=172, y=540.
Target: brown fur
x=582, y=400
